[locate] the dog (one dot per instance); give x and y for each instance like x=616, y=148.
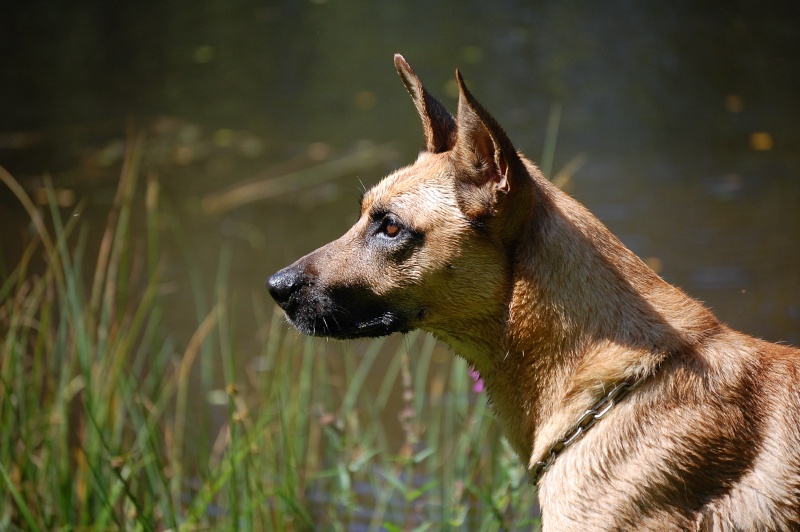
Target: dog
x=631, y=405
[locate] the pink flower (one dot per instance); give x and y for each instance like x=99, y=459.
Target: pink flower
x=478, y=386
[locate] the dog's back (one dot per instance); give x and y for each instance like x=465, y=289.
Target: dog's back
x=713, y=443
x=710, y=441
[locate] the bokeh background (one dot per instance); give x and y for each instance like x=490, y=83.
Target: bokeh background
x=676, y=123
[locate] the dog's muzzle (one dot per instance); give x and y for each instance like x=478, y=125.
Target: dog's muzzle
x=335, y=311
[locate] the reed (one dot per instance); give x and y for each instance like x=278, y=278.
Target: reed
x=107, y=420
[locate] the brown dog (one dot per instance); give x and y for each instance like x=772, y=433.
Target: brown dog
x=473, y=244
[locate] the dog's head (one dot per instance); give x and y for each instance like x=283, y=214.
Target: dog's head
x=431, y=248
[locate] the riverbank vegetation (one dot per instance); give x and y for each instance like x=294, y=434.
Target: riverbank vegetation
x=110, y=421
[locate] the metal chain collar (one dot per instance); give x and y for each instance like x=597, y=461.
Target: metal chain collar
x=585, y=422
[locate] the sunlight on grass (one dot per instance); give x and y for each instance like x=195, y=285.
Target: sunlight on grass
x=107, y=417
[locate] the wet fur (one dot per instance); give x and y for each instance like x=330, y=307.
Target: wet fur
x=553, y=311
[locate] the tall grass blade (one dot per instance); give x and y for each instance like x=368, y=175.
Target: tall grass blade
x=23, y=508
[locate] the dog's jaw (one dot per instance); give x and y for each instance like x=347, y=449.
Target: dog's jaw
x=332, y=326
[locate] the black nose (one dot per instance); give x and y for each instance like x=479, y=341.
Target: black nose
x=283, y=284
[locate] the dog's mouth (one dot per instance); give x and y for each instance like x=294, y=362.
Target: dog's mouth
x=338, y=312
x=343, y=328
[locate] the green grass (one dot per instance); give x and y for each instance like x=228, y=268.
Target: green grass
x=107, y=417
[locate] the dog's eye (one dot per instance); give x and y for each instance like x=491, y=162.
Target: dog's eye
x=391, y=227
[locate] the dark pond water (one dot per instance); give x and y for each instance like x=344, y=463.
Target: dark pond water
x=685, y=116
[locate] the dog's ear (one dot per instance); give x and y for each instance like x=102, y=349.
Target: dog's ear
x=488, y=165
x=438, y=124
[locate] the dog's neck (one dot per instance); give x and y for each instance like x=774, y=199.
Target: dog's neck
x=583, y=314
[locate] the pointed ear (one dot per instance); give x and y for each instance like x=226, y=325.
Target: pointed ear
x=489, y=167
x=437, y=122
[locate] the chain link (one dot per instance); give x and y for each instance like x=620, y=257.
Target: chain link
x=585, y=422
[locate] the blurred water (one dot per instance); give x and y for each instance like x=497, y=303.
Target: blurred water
x=686, y=115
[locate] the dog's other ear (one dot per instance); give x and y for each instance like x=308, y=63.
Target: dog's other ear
x=438, y=124
x=488, y=164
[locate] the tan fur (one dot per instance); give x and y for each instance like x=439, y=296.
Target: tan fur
x=473, y=244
